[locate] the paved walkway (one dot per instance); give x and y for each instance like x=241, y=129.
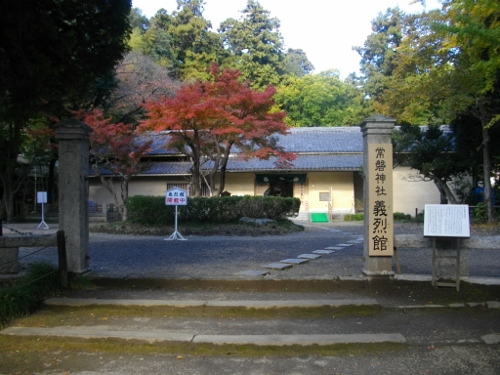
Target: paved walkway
x=326, y=251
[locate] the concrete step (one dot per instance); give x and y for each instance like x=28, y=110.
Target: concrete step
x=75, y=302
x=90, y=332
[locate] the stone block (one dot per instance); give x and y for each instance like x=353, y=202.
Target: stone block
x=323, y=251
x=9, y=262
x=309, y=256
x=294, y=261
x=277, y=266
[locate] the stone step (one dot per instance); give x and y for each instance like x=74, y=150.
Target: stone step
x=75, y=302
x=92, y=332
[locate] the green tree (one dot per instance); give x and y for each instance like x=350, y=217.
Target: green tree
x=380, y=51
x=50, y=56
x=430, y=151
x=321, y=100
x=448, y=64
x=256, y=45
x=137, y=20
x=297, y=63
x=194, y=45
x=472, y=31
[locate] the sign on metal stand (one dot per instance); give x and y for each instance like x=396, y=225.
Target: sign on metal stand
x=41, y=197
x=446, y=222
x=176, y=197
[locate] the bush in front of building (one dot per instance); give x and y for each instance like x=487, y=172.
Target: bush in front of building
x=152, y=211
x=398, y=216
x=354, y=217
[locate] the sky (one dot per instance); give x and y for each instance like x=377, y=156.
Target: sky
x=326, y=30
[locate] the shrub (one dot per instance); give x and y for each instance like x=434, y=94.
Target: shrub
x=480, y=213
x=354, y=217
x=28, y=294
x=360, y=217
x=402, y=216
x=152, y=211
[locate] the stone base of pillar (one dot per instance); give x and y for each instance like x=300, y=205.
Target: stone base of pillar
x=378, y=266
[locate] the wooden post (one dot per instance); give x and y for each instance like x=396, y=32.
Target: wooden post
x=63, y=262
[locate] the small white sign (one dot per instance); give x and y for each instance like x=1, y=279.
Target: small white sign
x=446, y=220
x=176, y=197
x=41, y=197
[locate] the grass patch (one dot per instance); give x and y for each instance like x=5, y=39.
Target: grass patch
x=27, y=294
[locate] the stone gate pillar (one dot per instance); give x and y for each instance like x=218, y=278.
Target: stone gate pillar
x=73, y=136
x=378, y=197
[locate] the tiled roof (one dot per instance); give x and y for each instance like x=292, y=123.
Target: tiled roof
x=323, y=139
x=313, y=139
x=326, y=162
x=307, y=162
x=317, y=149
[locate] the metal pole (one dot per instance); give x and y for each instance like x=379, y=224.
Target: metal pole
x=175, y=218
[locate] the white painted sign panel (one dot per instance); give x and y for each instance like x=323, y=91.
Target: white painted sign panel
x=446, y=220
x=176, y=197
x=41, y=197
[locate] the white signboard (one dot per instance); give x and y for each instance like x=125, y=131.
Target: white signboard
x=446, y=220
x=176, y=197
x=41, y=197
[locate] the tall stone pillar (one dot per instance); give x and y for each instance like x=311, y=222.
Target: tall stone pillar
x=73, y=136
x=378, y=196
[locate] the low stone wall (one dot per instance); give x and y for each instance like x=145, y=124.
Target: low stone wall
x=445, y=267
x=9, y=250
x=475, y=242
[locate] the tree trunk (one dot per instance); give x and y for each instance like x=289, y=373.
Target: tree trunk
x=108, y=184
x=444, y=188
x=488, y=193
x=9, y=149
x=223, y=168
x=8, y=197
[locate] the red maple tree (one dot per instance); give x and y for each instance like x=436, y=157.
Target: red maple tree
x=115, y=155
x=207, y=119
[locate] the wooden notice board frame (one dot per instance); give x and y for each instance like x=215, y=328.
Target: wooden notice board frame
x=447, y=222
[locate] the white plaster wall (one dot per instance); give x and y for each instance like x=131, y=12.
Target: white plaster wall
x=411, y=193
x=240, y=183
x=342, y=186
x=153, y=186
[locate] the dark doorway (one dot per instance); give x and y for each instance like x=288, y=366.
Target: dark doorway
x=281, y=188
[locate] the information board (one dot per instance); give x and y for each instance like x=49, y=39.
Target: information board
x=446, y=220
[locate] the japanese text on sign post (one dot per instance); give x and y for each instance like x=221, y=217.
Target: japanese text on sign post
x=176, y=197
x=380, y=214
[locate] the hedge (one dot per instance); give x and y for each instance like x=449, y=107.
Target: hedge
x=152, y=211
